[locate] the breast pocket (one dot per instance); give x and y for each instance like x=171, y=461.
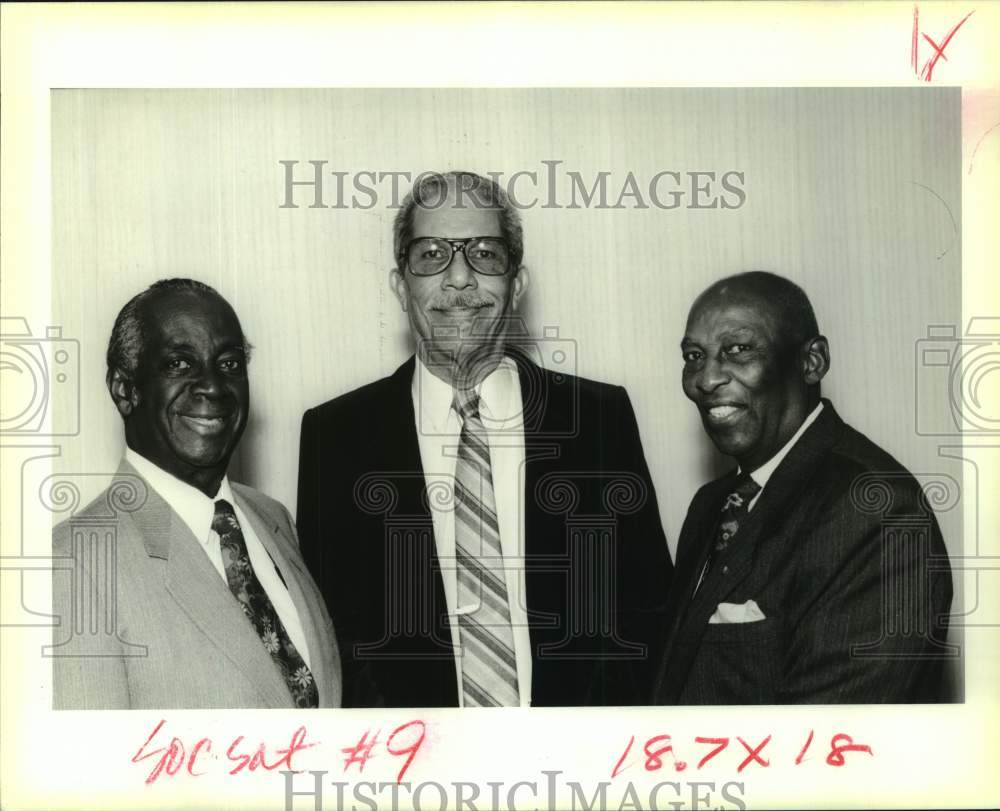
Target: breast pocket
x=742, y=660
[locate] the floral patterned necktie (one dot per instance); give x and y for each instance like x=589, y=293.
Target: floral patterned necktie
x=245, y=586
x=734, y=511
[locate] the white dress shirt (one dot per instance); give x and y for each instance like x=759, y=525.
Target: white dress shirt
x=763, y=473
x=197, y=511
x=438, y=433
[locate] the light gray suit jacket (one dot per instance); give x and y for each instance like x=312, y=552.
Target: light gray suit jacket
x=146, y=622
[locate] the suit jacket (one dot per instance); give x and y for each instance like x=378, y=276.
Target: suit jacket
x=594, y=545
x=843, y=556
x=145, y=621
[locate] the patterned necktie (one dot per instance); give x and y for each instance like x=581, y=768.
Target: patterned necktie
x=489, y=669
x=257, y=607
x=734, y=511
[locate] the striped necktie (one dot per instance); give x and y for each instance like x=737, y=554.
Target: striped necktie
x=489, y=669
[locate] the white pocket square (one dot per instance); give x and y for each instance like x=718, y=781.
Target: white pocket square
x=733, y=613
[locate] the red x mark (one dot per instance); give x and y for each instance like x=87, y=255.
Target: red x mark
x=927, y=72
x=754, y=753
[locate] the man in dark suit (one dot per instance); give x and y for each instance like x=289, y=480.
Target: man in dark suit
x=485, y=530
x=207, y=603
x=815, y=572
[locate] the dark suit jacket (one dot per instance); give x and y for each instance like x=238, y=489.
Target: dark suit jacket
x=844, y=557
x=597, y=566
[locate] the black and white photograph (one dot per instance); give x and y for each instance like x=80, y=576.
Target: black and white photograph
x=650, y=285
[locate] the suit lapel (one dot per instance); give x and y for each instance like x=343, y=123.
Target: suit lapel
x=399, y=457
x=703, y=536
x=278, y=545
x=541, y=453
x=692, y=551
x=401, y=448
x=728, y=571
x=195, y=585
x=544, y=533
x=782, y=489
x=792, y=474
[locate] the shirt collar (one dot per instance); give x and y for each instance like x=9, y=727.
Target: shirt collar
x=195, y=508
x=497, y=401
x=764, y=472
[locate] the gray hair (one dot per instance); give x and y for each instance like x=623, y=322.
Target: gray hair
x=128, y=337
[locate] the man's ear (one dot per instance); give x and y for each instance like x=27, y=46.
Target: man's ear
x=521, y=281
x=123, y=391
x=398, y=285
x=815, y=360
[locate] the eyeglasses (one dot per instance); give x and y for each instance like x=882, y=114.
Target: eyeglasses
x=428, y=256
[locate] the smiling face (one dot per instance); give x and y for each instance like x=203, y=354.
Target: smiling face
x=458, y=317
x=187, y=405
x=749, y=383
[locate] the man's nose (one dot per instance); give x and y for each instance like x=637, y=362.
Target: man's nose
x=711, y=376
x=209, y=383
x=459, y=274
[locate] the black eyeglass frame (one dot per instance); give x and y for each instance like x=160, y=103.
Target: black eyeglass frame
x=458, y=244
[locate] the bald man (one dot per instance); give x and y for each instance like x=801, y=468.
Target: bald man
x=815, y=571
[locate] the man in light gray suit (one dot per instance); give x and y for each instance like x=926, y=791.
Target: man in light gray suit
x=209, y=604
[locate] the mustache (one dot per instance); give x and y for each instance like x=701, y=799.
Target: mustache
x=458, y=299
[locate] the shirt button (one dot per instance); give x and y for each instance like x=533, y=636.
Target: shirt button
x=725, y=535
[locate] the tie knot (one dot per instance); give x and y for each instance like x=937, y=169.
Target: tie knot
x=747, y=487
x=224, y=519
x=466, y=403
x=741, y=496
